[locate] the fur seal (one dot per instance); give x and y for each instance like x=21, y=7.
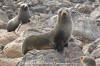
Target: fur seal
x=87, y=61
x=22, y=18
x=57, y=38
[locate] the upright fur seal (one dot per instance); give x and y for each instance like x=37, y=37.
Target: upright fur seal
x=56, y=38
x=22, y=18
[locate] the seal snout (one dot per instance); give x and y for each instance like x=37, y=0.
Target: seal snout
x=81, y=57
x=64, y=13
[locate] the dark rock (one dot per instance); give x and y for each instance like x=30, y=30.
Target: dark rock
x=78, y=1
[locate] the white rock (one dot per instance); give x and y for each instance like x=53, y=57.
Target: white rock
x=13, y=49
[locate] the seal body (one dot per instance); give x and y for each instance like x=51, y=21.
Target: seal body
x=63, y=29
x=22, y=18
x=13, y=24
x=41, y=41
x=57, y=38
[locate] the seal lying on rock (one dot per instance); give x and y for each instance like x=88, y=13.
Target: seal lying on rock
x=56, y=38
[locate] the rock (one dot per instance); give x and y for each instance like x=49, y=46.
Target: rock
x=25, y=27
x=11, y=11
x=48, y=5
x=41, y=9
x=97, y=60
x=53, y=21
x=86, y=9
x=10, y=14
x=7, y=37
x=78, y=1
x=31, y=2
x=86, y=50
x=98, y=1
x=3, y=20
x=1, y=47
x=86, y=27
x=3, y=31
x=4, y=17
x=96, y=13
x=96, y=53
x=28, y=32
x=72, y=53
x=91, y=48
x=1, y=0
x=79, y=43
x=51, y=3
x=9, y=61
x=3, y=25
x=92, y=0
x=14, y=49
x=8, y=2
x=2, y=55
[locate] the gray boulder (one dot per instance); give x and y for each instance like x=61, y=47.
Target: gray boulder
x=72, y=54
